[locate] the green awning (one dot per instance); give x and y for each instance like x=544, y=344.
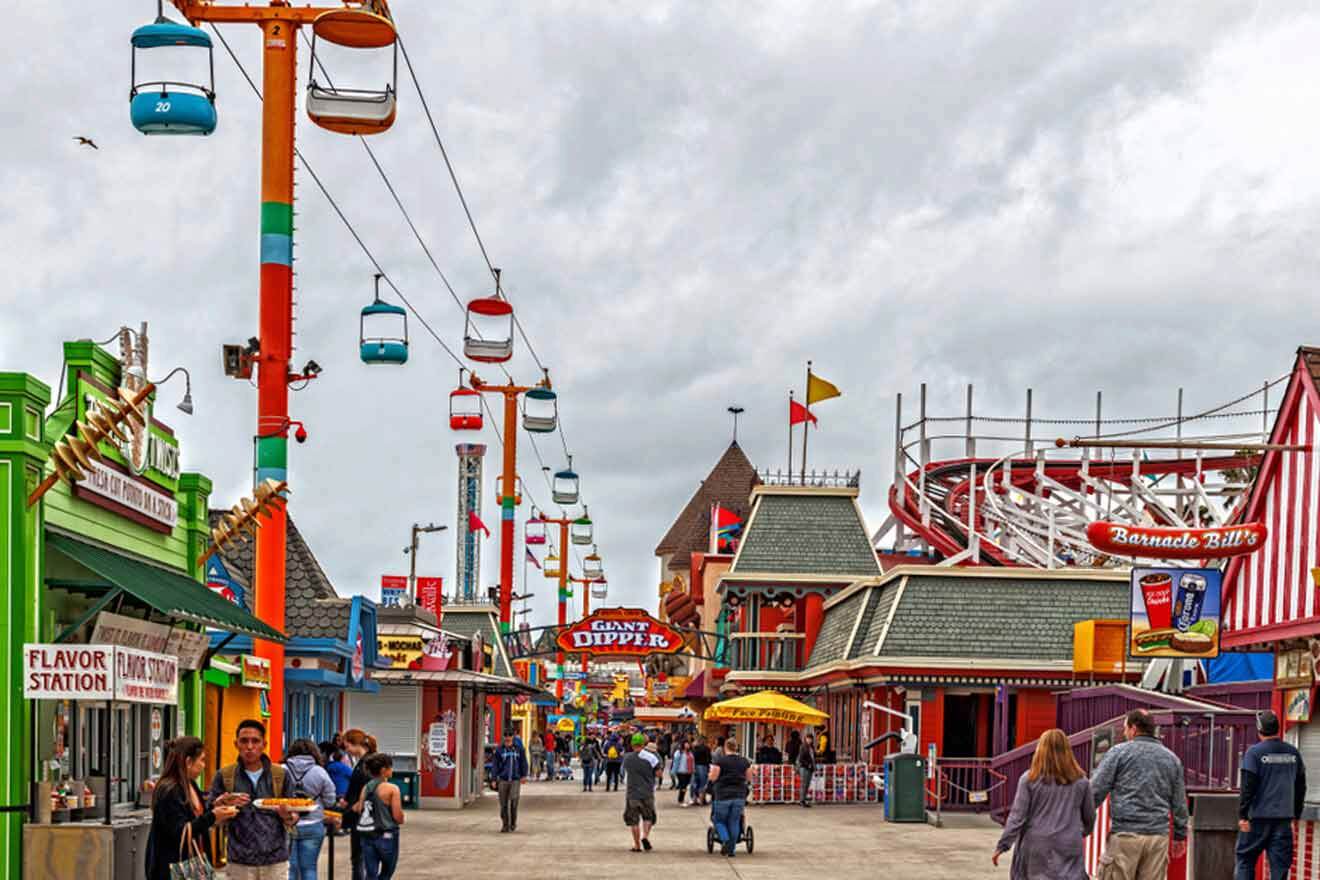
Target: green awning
x=167, y=591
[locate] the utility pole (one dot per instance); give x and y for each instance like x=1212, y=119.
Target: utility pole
x=417, y=531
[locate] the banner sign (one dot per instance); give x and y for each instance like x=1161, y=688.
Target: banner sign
x=255, y=671
x=627, y=632
x=1175, y=612
x=219, y=580
x=428, y=596
x=190, y=647
x=130, y=632
x=99, y=672
x=393, y=589
x=1163, y=542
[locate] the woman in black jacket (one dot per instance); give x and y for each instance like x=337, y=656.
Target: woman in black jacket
x=177, y=803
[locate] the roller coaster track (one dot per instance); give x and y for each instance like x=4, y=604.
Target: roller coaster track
x=1030, y=506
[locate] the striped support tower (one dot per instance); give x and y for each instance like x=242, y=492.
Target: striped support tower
x=279, y=89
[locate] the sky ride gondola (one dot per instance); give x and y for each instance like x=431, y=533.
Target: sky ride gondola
x=599, y=589
x=540, y=410
x=593, y=566
x=566, y=488
x=499, y=490
x=379, y=318
x=352, y=111
x=464, y=408
x=166, y=106
x=534, y=529
x=488, y=333
x=581, y=531
x=551, y=566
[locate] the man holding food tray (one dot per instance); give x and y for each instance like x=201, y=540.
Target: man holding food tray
x=258, y=837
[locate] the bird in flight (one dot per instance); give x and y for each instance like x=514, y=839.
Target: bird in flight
x=86, y=142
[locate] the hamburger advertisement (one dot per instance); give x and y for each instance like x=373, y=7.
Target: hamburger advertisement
x=1175, y=613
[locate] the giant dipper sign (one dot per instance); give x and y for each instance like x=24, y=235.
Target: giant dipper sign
x=625, y=632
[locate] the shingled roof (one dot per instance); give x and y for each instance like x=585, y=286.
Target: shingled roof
x=801, y=532
x=312, y=608
x=729, y=484
x=470, y=620
x=1010, y=617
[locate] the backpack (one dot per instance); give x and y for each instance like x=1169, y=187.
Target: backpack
x=228, y=774
x=299, y=790
x=614, y=753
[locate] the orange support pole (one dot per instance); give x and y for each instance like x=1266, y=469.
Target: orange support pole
x=279, y=90
x=563, y=597
x=507, y=506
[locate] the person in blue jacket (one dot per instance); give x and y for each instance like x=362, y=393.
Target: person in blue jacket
x=1272, y=795
x=509, y=767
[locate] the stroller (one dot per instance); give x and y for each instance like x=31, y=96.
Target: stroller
x=713, y=837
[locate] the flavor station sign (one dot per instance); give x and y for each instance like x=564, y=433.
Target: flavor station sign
x=254, y=671
x=1163, y=542
x=1175, y=612
x=625, y=632
x=99, y=672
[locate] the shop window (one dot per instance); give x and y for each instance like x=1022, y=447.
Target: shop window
x=1308, y=743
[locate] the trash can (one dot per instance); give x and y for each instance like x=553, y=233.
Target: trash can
x=1212, y=835
x=905, y=788
x=410, y=789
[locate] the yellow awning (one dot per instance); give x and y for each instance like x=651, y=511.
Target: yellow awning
x=766, y=706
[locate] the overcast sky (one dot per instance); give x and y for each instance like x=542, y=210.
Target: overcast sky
x=690, y=200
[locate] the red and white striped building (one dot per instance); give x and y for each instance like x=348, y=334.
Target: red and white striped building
x=1270, y=599
x=1271, y=595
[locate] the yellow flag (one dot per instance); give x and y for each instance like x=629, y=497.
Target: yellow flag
x=818, y=389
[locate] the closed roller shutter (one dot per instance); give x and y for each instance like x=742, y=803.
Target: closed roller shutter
x=392, y=716
x=1308, y=743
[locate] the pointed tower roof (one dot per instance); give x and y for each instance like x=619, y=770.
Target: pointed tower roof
x=728, y=484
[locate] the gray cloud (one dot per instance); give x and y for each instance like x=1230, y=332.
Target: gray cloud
x=689, y=201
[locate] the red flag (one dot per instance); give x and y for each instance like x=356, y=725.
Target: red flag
x=797, y=413
x=728, y=528
x=475, y=523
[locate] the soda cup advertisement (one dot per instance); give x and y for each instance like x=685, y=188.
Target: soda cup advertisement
x=1175, y=612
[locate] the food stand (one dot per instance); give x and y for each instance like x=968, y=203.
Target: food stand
x=77, y=828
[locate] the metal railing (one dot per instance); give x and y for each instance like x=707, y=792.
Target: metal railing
x=836, y=479
x=1209, y=744
x=766, y=651
x=965, y=785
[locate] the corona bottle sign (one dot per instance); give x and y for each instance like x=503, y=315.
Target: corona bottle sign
x=620, y=632
x=1163, y=542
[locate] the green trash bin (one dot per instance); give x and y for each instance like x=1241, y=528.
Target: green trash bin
x=410, y=788
x=905, y=788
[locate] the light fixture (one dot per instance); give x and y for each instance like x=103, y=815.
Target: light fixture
x=186, y=405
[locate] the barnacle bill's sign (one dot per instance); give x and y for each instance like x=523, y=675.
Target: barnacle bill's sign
x=1164, y=542
x=621, y=631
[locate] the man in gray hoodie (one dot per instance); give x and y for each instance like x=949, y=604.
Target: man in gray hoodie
x=1145, y=786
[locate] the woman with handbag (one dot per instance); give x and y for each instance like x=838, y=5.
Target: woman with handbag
x=178, y=845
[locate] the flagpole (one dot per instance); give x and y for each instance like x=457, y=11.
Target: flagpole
x=790, y=435
x=805, y=423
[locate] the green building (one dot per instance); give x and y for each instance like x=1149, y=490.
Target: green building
x=112, y=560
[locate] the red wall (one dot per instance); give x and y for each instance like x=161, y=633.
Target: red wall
x=932, y=719
x=1035, y=715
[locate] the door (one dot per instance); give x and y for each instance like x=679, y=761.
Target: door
x=960, y=724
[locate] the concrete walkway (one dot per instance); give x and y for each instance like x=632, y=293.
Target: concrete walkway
x=565, y=832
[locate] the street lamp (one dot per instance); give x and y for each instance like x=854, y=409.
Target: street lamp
x=411, y=551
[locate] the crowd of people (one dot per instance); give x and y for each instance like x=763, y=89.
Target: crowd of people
x=341, y=787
